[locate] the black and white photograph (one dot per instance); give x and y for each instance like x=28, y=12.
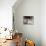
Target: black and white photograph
x=28, y=20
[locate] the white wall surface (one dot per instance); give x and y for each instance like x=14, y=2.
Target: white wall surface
x=43, y=22
x=6, y=13
x=29, y=8
x=32, y=8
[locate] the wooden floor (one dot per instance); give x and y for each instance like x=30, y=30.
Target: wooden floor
x=9, y=43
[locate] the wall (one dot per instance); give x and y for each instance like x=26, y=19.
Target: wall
x=43, y=22
x=6, y=13
x=29, y=8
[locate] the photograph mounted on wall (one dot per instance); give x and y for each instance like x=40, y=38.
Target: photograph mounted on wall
x=28, y=20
